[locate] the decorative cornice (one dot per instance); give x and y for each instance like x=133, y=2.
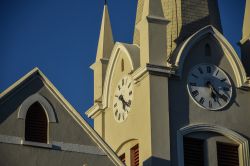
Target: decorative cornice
x=94, y=111
x=157, y=20
x=246, y=85
x=153, y=69
x=244, y=40
x=104, y=61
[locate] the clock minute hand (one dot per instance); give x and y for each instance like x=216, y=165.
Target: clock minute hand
x=214, y=90
x=213, y=93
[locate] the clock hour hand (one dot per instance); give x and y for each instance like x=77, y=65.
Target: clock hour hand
x=124, y=103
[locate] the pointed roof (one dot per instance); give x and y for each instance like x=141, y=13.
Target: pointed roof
x=106, y=41
x=102, y=145
x=246, y=24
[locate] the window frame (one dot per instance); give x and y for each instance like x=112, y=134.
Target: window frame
x=50, y=114
x=28, y=124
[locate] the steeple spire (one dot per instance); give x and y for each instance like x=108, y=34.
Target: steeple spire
x=245, y=41
x=106, y=41
x=105, y=46
x=246, y=24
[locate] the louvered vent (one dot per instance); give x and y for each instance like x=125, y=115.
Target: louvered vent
x=193, y=152
x=36, y=124
x=135, y=155
x=123, y=158
x=227, y=154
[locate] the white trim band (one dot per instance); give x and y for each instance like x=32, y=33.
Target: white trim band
x=54, y=145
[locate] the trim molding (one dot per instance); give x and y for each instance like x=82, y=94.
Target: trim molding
x=157, y=20
x=160, y=70
x=110, y=70
x=78, y=148
x=244, y=40
x=62, y=146
x=178, y=59
x=36, y=144
x=243, y=142
x=94, y=111
x=44, y=103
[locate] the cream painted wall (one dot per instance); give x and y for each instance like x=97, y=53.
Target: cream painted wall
x=137, y=125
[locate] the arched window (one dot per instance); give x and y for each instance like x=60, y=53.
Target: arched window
x=192, y=144
x=36, y=124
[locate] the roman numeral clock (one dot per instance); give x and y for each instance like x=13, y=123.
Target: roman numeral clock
x=209, y=86
x=123, y=99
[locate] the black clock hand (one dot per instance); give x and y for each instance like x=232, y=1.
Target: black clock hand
x=127, y=103
x=212, y=92
x=215, y=92
x=123, y=101
x=220, y=95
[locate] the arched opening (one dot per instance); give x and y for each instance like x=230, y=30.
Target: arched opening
x=217, y=142
x=36, y=124
x=129, y=152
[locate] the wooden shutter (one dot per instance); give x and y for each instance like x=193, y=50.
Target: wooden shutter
x=123, y=158
x=227, y=154
x=134, y=151
x=36, y=124
x=193, y=151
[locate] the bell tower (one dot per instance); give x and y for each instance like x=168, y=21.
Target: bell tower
x=245, y=41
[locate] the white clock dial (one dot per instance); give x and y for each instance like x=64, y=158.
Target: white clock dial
x=123, y=97
x=209, y=87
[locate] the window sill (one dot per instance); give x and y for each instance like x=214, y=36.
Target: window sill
x=36, y=144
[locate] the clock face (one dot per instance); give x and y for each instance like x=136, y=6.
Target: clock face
x=123, y=99
x=209, y=87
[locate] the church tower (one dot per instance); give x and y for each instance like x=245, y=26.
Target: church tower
x=159, y=94
x=245, y=41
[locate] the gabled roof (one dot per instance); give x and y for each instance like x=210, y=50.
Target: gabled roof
x=75, y=115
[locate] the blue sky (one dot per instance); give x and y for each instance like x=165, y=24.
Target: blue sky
x=60, y=37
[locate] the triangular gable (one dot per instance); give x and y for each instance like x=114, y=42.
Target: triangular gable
x=74, y=114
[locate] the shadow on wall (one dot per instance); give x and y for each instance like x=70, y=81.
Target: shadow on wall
x=195, y=17
x=183, y=111
x=156, y=161
x=9, y=103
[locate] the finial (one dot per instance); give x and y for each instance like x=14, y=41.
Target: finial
x=105, y=2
